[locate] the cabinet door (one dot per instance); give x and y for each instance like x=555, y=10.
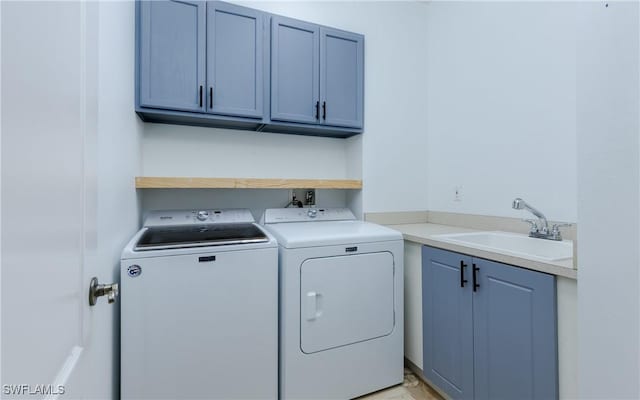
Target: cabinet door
x=294, y=71
x=234, y=60
x=172, y=54
x=341, y=78
x=515, y=333
x=447, y=321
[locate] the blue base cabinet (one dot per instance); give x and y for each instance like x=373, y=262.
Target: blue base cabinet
x=447, y=322
x=489, y=329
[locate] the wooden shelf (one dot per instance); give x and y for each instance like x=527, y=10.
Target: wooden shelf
x=157, y=182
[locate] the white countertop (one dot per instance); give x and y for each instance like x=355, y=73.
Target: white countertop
x=424, y=233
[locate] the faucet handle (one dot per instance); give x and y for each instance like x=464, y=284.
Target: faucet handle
x=556, y=226
x=555, y=230
x=533, y=223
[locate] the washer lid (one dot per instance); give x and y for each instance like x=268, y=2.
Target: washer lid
x=329, y=233
x=177, y=237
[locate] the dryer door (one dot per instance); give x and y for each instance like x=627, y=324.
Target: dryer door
x=345, y=300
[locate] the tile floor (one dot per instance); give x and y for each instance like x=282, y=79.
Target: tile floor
x=411, y=389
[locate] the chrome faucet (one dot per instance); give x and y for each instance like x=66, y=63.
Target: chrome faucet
x=540, y=228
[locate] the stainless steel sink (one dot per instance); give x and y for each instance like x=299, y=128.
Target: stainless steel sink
x=513, y=244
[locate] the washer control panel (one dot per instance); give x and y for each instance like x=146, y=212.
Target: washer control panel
x=198, y=217
x=281, y=215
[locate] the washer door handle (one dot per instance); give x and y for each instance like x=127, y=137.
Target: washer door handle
x=314, y=305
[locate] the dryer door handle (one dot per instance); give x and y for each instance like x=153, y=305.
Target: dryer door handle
x=314, y=305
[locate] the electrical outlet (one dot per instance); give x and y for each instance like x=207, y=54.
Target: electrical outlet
x=457, y=193
x=310, y=197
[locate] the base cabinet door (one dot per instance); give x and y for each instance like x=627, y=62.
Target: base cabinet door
x=515, y=342
x=447, y=322
x=489, y=329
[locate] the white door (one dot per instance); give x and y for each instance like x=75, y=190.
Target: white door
x=50, y=340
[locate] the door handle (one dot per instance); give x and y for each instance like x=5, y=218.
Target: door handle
x=200, y=96
x=462, y=267
x=210, y=96
x=317, y=110
x=313, y=305
x=98, y=290
x=324, y=110
x=475, y=278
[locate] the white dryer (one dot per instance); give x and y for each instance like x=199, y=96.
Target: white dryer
x=341, y=303
x=199, y=308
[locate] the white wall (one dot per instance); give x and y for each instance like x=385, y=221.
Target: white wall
x=174, y=150
x=389, y=156
x=354, y=171
x=608, y=121
x=254, y=199
x=118, y=151
x=500, y=117
x=113, y=155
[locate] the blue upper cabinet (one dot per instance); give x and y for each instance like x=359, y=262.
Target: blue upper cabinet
x=295, y=75
x=212, y=63
x=515, y=333
x=317, y=74
x=172, y=54
x=341, y=78
x=234, y=60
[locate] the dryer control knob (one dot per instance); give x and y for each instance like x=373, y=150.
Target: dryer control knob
x=312, y=213
x=202, y=215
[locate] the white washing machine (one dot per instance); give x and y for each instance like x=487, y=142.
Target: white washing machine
x=341, y=303
x=199, y=308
